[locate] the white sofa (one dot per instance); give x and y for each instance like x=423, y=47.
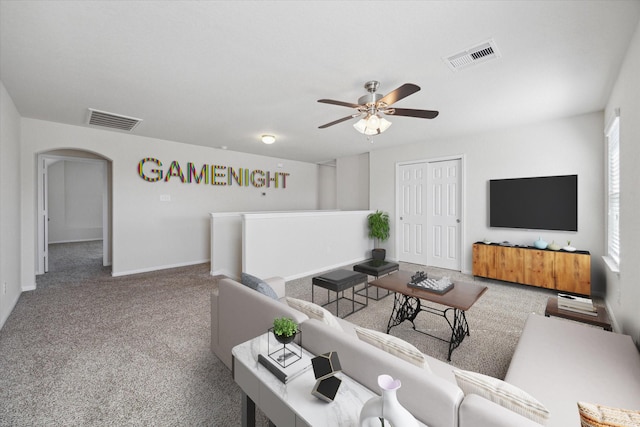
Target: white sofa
x=546, y=363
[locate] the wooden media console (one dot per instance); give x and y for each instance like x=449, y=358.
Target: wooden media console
x=560, y=270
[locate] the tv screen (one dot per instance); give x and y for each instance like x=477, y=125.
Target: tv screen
x=541, y=203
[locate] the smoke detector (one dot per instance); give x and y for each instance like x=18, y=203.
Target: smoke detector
x=111, y=120
x=475, y=55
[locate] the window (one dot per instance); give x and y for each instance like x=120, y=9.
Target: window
x=613, y=193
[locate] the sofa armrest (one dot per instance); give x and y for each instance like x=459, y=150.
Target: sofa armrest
x=277, y=284
x=476, y=411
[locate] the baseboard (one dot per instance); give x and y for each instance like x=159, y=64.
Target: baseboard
x=326, y=268
x=75, y=241
x=5, y=315
x=158, y=268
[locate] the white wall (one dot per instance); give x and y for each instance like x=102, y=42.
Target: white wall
x=75, y=200
x=327, y=197
x=148, y=233
x=10, y=287
x=353, y=182
x=560, y=147
x=226, y=244
x=298, y=244
x=623, y=290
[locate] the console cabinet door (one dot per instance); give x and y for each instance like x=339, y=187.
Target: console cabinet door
x=509, y=264
x=484, y=260
x=538, y=268
x=573, y=273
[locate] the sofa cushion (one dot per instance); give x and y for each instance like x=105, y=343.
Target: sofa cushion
x=502, y=393
x=259, y=285
x=314, y=311
x=604, y=367
x=393, y=345
x=605, y=416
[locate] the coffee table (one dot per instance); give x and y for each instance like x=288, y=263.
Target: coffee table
x=407, y=304
x=339, y=281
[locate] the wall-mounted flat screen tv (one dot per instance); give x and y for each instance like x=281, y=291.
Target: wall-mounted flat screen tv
x=540, y=203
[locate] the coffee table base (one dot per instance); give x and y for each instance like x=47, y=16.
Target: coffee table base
x=407, y=308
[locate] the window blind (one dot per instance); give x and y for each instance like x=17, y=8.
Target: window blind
x=613, y=196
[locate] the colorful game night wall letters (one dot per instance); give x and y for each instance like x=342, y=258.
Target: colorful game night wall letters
x=210, y=174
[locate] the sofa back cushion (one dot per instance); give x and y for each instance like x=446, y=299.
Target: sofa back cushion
x=314, y=311
x=393, y=345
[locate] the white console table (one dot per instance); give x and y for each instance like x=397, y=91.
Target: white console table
x=292, y=404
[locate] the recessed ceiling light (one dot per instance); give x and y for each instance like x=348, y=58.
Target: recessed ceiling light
x=268, y=139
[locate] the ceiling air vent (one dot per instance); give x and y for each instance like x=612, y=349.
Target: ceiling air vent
x=113, y=121
x=475, y=55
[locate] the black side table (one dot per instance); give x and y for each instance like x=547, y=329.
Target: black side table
x=375, y=268
x=338, y=281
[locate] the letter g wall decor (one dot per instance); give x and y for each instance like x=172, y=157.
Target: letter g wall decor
x=151, y=170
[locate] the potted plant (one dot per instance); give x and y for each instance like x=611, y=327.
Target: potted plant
x=284, y=329
x=379, y=231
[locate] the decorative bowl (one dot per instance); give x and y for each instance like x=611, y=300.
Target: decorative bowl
x=554, y=246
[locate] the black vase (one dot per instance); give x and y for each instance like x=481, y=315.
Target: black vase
x=379, y=254
x=283, y=339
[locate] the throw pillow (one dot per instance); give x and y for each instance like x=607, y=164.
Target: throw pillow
x=393, y=345
x=605, y=416
x=259, y=285
x=502, y=393
x=250, y=281
x=314, y=311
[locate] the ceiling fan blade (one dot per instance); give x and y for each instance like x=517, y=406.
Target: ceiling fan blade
x=342, y=104
x=410, y=112
x=402, y=92
x=335, y=122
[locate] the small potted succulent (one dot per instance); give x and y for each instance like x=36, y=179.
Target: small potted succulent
x=284, y=329
x=379, y=230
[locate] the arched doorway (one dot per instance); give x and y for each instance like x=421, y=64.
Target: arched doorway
x=74, y=186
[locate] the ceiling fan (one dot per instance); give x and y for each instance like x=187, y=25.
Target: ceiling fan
x=373, y=104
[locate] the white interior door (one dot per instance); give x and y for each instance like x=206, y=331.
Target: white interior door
x=444, y=214
x=43, y=216
x=411, y=185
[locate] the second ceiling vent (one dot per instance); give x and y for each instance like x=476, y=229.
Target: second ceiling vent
x=472, y=56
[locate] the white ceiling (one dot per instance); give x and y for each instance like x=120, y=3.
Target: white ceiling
x=222, y=73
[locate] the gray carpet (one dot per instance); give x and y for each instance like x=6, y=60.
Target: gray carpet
x=89, y=349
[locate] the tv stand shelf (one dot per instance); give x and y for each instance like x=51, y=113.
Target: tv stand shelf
x=560, y=270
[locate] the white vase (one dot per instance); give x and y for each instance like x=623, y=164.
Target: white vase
x=386, y=407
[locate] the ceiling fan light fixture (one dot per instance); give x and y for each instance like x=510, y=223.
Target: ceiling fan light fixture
x=373, y=122
x=360, y=125
x=384, y=124
x=372, y=125
x=268, y=139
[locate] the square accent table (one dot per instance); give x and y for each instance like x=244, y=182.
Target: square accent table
x=375, y=268
x=338, y=281
x=601, y=319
